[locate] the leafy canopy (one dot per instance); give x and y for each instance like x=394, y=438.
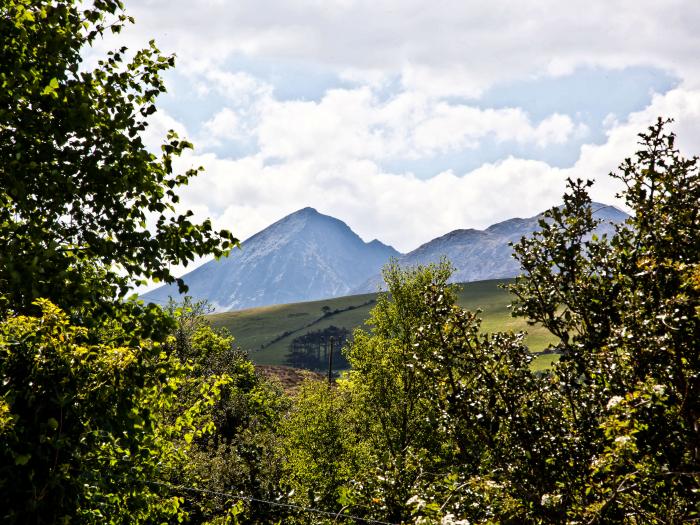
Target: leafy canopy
x=627, y=311
x=87, y=428
x=98, y=406
x=86, y=210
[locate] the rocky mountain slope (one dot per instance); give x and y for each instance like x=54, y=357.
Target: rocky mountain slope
x=302, y=257
x=485, y=254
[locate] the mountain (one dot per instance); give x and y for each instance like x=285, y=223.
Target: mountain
x=307, y=256
x=302, y=257
x=485, y=254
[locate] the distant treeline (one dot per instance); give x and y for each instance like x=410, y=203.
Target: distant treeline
x=311, y=349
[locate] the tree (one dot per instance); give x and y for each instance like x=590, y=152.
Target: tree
x=239, y=454
x=321, y=452
x=97, y=411
x=455, y=420
x=610, y=434
x=361, y=445
x=394, y=412
x=627, y=312
x=305, y=350
x=494, y=411
x=85, y=210
x=89, y=431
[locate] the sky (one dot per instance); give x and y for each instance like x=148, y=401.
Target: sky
x=408, y=119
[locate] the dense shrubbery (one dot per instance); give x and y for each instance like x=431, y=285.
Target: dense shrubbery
x=444, y=424
x=88, y=427
x=240, y=455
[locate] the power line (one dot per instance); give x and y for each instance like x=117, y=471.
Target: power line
x=334, y=515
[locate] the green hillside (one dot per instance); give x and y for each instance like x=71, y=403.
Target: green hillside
x=267, y=332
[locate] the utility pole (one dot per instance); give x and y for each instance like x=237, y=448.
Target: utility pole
x=330, y=364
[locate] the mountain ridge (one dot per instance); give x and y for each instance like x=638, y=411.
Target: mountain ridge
x=480, y=255
x=308, y=256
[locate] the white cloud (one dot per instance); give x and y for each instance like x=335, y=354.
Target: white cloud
x=555, y=129
x=681, y=104
x=453, y=127
x=225, y=125
x=239, y=87
x=247, y=194
x=410, y=64
x=458, y=47
x=354, y=123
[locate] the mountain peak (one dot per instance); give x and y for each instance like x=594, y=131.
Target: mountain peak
x=308, y=216
x=308, y=210
x=305, y=255
x=379, y=244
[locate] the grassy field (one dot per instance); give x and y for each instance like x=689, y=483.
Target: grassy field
x=266, y=332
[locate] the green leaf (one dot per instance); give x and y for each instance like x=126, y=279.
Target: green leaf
x=51, y=88
x=22, y=459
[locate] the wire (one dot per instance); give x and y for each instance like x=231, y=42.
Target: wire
x=334, y=515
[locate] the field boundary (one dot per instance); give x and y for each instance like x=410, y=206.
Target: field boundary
x=314, y=322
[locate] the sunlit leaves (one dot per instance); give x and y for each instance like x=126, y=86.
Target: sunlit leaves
x=85, y=209
x=625, y=310
x=87, y=426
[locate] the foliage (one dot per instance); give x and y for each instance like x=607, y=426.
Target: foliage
x=450, y=413
x=239, y=455
x=108, y=408
x=99, y=407
x=88, y=429
x=321, y=452
x=111, y=430
x=430, y=408
x=626, y=310
x=610, y=434
x=85, y=210
x=311, y=350
x=493, y=410
x=353, y=447
x=443, y=423
x=394, y=409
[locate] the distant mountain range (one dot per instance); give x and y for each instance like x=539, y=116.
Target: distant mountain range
x=478, y=255
x=308, y=255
